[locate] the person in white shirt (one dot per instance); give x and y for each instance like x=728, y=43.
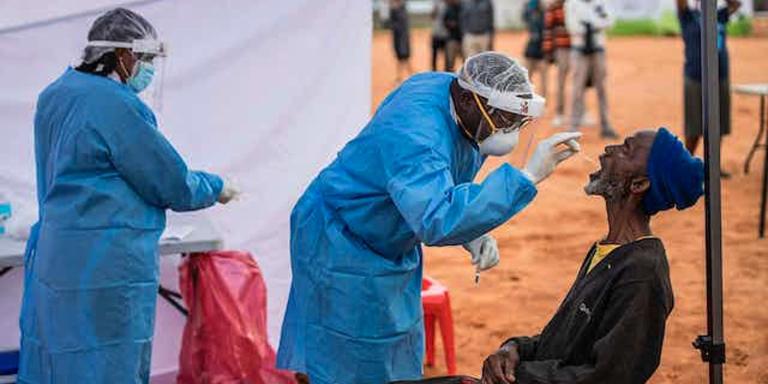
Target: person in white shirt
x=587, y=21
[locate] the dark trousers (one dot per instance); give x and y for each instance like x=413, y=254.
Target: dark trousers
x=438, y=44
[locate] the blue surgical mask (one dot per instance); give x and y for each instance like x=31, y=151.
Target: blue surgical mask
x=143, y=73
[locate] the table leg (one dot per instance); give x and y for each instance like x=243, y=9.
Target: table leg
x=763, y=198
x=173, y=298
x=757, y=144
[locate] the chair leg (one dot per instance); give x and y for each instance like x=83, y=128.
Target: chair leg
x=446, y=330
x=429, y=329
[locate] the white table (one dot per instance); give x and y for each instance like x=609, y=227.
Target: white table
x=202, y=238
x=762, y=91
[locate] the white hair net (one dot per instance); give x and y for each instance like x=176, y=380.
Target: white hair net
x=501, y=80
x=118, y=25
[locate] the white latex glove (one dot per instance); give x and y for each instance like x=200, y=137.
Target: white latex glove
x=548, y=155
x=229, y=192
x=484, y=251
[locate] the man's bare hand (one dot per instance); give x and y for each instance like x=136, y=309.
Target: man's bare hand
x=499, y=368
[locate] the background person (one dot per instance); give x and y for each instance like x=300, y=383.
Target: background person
x=452, y=21
x=587, y=21
x=557, y=48
x=477, y=25
x=439, y=36
x=533, y=15
x=690, y=25
x=401, y=37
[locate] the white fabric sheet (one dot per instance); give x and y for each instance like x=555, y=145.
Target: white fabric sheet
x=265, y=92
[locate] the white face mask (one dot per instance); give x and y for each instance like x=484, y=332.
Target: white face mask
x=500, y=143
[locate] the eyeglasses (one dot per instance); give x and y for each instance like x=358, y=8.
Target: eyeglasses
x=508, y=121
x=146, y=57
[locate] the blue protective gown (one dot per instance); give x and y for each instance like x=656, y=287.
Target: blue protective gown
x=354, y=313
x=105, y=176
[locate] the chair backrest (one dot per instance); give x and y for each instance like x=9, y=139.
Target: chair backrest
x=426, y=283
x=432, y=287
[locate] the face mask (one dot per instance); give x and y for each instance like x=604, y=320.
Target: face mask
x=141, y=76
x=500, y=143
x=143, y=73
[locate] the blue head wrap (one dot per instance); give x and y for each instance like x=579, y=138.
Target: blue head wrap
x=677, y=178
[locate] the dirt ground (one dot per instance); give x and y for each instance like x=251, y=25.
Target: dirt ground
x=543, y=247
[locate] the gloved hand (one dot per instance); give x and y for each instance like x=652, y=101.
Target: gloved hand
x=547, y=155
x=229, y=192
x=484, y=251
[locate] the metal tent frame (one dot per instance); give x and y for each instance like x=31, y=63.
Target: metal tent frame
x=712, y=345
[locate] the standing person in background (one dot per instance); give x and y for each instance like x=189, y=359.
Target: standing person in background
x=557, y=48
x=477, y=25
x=452, y=22
x=587, y=21
x=401, y=37
x=439, y=32
x=690, y=26
x=533, y=15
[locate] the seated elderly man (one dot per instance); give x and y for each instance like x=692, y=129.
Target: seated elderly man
x=610, y=326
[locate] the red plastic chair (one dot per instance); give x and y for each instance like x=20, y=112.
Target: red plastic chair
x=437, y=308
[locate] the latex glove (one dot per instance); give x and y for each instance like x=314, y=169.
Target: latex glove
x=484, y=251
x=549, y=154
x=229, y=192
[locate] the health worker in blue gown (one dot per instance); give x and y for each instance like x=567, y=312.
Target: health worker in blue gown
x=105, y=178
x=354, y=313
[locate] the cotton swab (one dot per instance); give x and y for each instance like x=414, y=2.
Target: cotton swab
x=589, y=159
x=576, y=147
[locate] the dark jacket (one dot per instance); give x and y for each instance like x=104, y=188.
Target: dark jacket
x=610, y=327
x=533, y=15
x=477, y=17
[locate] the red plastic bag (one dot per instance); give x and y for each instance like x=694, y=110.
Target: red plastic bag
x=225, y=338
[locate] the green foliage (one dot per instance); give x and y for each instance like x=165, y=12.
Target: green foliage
x=668, y=25
x=741, y=26
x=636, y=27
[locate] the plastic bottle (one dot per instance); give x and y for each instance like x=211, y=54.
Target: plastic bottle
x=5, y=214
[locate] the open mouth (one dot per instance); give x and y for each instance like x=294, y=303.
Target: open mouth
x=595, y=175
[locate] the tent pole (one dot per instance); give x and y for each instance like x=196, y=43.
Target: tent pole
x=712, y=345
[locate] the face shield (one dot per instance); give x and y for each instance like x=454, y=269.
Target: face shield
x=144, y=49
x=147, y=51
x=501, y=120
x=504, y=83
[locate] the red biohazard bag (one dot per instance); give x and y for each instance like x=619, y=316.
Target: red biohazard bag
x=225, y=338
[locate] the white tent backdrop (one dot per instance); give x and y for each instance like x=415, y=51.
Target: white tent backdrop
x=263, y=91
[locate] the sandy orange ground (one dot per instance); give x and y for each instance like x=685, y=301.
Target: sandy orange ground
x=543, y=247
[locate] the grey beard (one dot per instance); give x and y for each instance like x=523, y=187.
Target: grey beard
x=593, y=188
x=611, y=190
